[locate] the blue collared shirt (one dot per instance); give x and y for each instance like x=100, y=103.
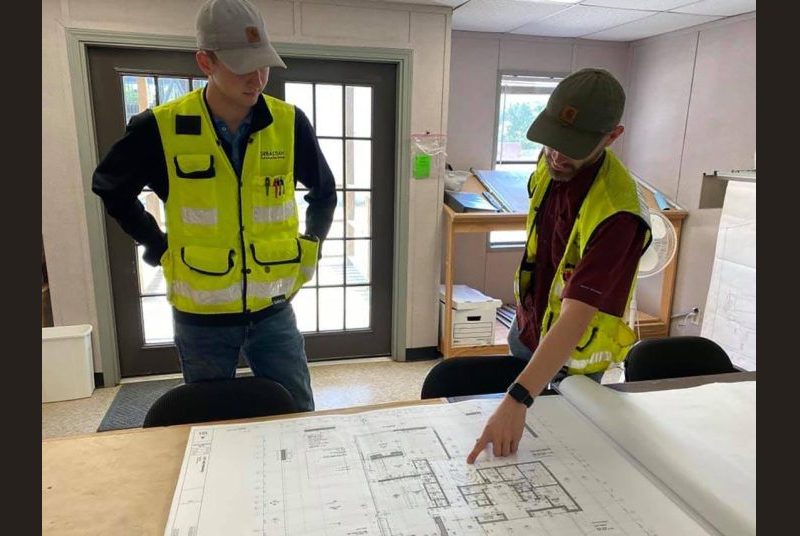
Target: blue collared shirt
x=234, y=140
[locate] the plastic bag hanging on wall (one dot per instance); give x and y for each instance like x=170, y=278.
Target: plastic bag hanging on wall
x=428, y=155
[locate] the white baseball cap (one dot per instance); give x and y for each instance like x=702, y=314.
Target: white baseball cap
x=235, y=31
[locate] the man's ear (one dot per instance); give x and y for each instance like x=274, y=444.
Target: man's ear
x=204, y=61
x=614, y=134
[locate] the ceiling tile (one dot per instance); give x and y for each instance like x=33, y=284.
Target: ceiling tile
x=650, y=26
x=580, y=20
x=501, y=15
x=726, y=8
x=643, y=5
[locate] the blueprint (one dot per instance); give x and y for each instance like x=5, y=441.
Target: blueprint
x=402, y=472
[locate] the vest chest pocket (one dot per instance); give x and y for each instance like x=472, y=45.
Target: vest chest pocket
x=273, y=200
x=194, y=166
x=195, y=191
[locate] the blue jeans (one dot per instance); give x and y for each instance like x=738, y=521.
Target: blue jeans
x=520, y=351
x=273, y=347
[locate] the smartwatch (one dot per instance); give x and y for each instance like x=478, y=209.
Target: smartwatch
x=518, y=392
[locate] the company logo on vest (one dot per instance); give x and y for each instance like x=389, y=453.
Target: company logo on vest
x=273, y=155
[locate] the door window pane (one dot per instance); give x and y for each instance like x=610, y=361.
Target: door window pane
x=329, y=110
x=357, y=207
x=358, y=305
x=155, y=207
x=139, y=93
x=157, y=320
x=337, y=227
x=199, y=82
x=331, y=306
x=172, y=88
x=151, y=278
x=332, y=149
x=305, y=309
x=330, y=269
x=359, y=163
x=358, y=107
x=302, y=96
x=357, y=263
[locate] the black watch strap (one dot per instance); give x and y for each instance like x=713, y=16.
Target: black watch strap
x=518, y=392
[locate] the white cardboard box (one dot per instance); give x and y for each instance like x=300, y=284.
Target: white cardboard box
x=67, y=364
x=474, y=316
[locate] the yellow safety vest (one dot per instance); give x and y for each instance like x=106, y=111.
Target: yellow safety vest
x=607, y=338
x=233, y=244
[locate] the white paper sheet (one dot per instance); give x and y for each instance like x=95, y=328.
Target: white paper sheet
x=402, y=472
x=699, y=441
x=730, y=315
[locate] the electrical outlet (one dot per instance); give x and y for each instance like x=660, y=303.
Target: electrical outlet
x=695, y=316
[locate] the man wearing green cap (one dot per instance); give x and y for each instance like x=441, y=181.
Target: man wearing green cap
x=587, y=228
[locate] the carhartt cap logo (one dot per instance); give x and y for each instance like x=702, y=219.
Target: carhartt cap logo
x=567, y=114
x=252, y=35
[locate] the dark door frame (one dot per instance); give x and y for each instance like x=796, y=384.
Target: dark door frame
x=77, y=42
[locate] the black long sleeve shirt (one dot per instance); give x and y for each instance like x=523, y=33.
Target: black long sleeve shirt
x=137, y=161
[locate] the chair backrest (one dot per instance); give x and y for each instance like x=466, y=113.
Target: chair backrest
x=219, y=400
x=474, y=375
x=675, y=357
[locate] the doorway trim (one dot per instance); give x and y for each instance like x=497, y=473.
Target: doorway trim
x=78, y=39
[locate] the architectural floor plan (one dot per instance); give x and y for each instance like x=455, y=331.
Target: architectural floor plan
x=402, y=472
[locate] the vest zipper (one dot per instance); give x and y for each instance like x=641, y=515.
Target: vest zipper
x=241, y=243
x=241, y=223
x=206, y=112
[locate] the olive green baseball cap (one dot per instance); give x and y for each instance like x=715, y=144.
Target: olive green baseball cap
x=583, y=108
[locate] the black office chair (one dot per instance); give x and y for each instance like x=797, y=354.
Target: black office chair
x=675, y=357
x=466, y=376
x=219, y=400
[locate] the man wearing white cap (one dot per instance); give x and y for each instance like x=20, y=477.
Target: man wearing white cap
x=225, y=160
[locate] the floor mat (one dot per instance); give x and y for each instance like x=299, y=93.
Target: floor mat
x=132, y=402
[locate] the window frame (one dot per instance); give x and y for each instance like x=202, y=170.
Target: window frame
x=560, y=75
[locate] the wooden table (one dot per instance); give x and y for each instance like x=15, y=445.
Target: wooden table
x=122, y=482
x=484, y=222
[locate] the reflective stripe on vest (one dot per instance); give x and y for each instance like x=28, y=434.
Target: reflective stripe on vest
x=199, y=216
x=607, y=338
x=208, y=297
x=233, y=241
x=274, y=214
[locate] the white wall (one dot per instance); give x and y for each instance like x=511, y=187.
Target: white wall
x=692, y=109
x=476, y=59
x=424, y=29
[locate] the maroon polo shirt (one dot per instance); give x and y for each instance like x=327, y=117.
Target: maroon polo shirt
x=602, y=277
